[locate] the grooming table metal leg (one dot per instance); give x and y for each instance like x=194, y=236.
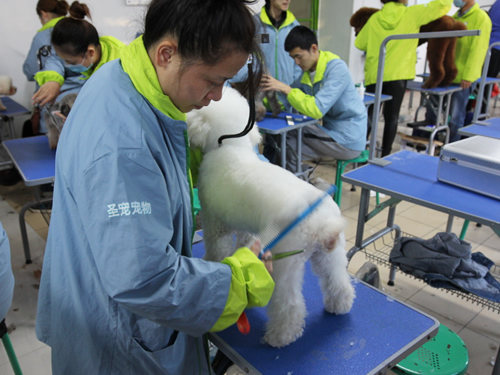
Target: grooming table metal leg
x=22, y=225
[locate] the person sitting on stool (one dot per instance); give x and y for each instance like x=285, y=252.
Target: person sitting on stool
x=326, y=91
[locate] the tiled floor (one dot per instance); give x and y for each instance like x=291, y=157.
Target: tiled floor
x=479, y=328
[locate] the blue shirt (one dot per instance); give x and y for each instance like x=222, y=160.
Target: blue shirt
x=332, y=96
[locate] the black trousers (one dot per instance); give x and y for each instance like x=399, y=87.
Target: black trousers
x=493, y=70
x=391, y=111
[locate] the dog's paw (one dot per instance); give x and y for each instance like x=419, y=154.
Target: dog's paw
x=284, y=335
x=341, y=302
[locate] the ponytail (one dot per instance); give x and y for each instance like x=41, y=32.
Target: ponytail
x=74, y=34
x=79, y=11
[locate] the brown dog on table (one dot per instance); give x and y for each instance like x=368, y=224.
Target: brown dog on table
x=440, y=51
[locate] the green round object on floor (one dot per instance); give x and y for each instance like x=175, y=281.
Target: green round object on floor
x=444, y=354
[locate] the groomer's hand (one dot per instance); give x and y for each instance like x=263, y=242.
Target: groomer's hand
x=465, y=84
x=267, y=257
x=47, y=93
x=270, y=83
x=59, y=114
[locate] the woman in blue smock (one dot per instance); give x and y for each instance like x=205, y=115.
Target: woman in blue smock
x=6, y=276
x=79, y=49
x=120, y=292
x=41, y=53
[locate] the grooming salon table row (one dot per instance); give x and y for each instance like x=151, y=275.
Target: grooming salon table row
x=412, y=177
x=35, y=162
x=378, y=333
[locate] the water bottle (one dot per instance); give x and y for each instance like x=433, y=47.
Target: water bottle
x=361, y=90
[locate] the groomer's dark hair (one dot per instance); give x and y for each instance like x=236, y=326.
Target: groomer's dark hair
x=389, y=1
x=74, y=34
x=57, y=7
x=302, y=37
x=206, y=30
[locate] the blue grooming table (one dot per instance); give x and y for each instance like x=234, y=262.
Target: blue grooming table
x=369, y=99
x=279, y=125
x=13, y=108
x=377, y=333
x=412, y=177
x=35, y=161
x=487, y=128
x=33, y=158
x=7, y=117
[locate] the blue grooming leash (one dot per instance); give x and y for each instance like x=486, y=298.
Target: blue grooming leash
x=331, y=190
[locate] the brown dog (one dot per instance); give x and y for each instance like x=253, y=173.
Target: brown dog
x=440, y=51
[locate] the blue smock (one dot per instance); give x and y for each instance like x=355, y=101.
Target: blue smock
x=50, y=62
x=331, y=95
x=73, y=81
x=278, y=62
x=6, y=276
x=118, y=263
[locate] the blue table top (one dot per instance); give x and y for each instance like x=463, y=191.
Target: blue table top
x=491, y=130
x=417, y=86
x=412, y=176
x=369, y=98
x=13, y=108
x=33, y=158
x=279, y=125
x=488, y=80
x=377, y=331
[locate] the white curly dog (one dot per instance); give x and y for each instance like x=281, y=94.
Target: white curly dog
x=240, y=193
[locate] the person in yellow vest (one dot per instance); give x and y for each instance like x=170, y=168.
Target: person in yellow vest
x=395, y=18
x=470, y=53
x=78, y=45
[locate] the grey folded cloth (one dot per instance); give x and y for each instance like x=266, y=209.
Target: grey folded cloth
x=443, y=254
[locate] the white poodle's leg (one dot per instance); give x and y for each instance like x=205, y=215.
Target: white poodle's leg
x=217, y=237
x=287, y=309
x=335, y=282
x=244, y=239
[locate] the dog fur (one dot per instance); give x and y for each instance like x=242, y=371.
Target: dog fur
x=240, y=193
x=440, y=51
x=54, y=123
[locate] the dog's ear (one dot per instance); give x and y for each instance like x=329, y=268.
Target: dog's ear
x=198, y=129
x=255, y=136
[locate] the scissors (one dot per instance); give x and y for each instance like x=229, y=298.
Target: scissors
x=282, y=255
x=243, y=324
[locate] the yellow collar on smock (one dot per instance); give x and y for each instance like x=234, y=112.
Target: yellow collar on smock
x=50, y=24
x=323, y=59
x=137, y=64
